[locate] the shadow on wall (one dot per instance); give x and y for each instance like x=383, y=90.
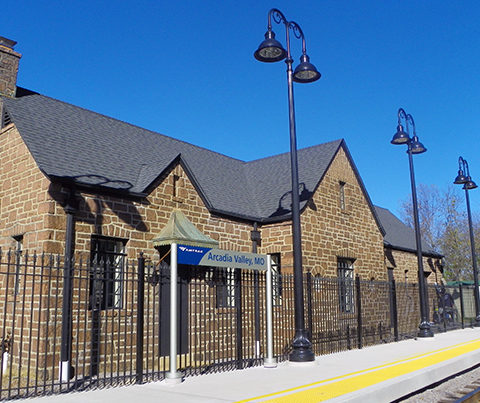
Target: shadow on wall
x=390, y=258
x=285, y=202
x=122, y=207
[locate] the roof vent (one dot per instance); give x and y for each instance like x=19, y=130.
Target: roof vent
x=6, y=119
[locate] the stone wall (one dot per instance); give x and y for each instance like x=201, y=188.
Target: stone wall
x=330, y=231
x=26, y=208
x=140, y=221
x=405, y=266
x=333, y=226
x=31, y=206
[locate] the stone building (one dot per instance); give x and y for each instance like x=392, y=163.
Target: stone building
x=77, y=183
x=122, y=182
x=400, y=252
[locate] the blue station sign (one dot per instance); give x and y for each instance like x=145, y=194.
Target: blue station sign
x=198, y=256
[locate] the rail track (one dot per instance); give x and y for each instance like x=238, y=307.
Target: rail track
x=462, y=387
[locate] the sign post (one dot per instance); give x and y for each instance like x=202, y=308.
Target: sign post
x=202, y=256
x=173, y=376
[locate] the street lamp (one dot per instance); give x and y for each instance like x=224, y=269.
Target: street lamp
x=415, y=147
x=463, y=178
x=270, y=50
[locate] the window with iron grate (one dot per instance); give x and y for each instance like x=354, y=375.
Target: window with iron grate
x=18, y=261
x=107, y=260
x=345, y=285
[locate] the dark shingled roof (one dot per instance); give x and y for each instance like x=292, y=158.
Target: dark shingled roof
x=399, y=235
x=70, y=143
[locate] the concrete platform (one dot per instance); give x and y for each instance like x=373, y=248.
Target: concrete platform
x=374, y=374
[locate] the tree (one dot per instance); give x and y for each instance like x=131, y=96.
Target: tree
x=430, y=214
x=444, y=228
x=454, y=242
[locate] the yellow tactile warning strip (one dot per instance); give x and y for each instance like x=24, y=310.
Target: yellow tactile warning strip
x=334, y=387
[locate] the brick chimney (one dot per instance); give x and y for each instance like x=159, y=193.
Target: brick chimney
x=8, y=67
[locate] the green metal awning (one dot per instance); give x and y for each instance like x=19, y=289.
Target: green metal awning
x=180, y=230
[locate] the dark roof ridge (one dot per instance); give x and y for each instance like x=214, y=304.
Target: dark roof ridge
x=383, y=208
x=30, y=92
x=299, y=149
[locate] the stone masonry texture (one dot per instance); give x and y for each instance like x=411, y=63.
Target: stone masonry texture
x=31, y=207
x=8, y=70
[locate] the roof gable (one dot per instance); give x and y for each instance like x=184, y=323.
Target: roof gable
x=270, y=178
x=69, y=142
x=79, y=146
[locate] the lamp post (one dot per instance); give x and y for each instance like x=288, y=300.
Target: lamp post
x=270, y=50
x=415, y=147
x=463, y=178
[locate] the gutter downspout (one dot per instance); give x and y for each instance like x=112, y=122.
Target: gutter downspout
x=66, y=369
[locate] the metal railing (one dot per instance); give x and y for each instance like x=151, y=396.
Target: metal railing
x=119, y=320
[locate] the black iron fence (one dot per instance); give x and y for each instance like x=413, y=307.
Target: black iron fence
x=119, y=320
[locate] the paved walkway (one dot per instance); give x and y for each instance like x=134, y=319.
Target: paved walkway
x=374, y=374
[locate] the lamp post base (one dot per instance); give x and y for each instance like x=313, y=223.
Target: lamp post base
x=476, y=322
x=301, y=347
x=424, y=330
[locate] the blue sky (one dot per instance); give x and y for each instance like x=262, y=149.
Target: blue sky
x=186, y=69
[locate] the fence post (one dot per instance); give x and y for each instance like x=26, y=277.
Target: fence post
x=238, y=308
x=309, y=304
x=140, y=312
x=462, y=307
x=394, y=310
x=269, y=361
x=444, y=316
x=359, y=312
